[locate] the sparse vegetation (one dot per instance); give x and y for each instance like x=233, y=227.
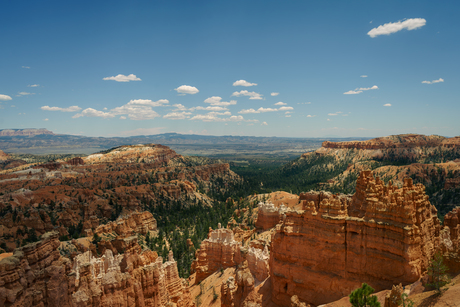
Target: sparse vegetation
x=362, y=297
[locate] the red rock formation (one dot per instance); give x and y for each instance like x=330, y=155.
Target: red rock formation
x=382, y=236
x=76, y=161
x=394, y=141
x=4, y=156
x=268, y=215
x=220, y=250
x=36, y=275
x=136, y=222
x=239, y=290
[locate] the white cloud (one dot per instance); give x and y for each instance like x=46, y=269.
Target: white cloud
x=216, y=101
x=33, y=85
x=24, y=94
x=434, y=81
x=122, y=117
x=27, y=67
x=280, y=103
x=375, y=87
x=136, y=109
x=186, y=89
x=46, y=119
x=288, y=116
x=264, y=124
x=123, y=78
x=350, y=92
x=334, y=114
x=393, y=27
x=243, y=83
x=264, y=110
x=148, y=102
x=328, y=119
x=90, y=112
x=311, y=115
x=304, y=102
x=209, y=108
x=105, y=109
x=213, y=117
x=69, y=109
x=252, y=95
x=360, y=90
x=387, y=105
x=274, y=94
x=363, y=76
x=179, y=107
x=5, y=97
x=177, y=115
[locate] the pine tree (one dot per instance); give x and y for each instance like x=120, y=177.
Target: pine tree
x=361, y=297
x=437, y=272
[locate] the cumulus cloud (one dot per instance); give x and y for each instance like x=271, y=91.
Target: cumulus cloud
x=90, y=112
x=122, y=117
x=280, y=103
x=69, y=109
x=264, y=110
x=360, y=90
x=33, y=85
x=216, y=101
x=179, y=107
x=243, y=83
x=123, y=78
x=274, y=94
x=434, y=81
x=136, y=109
x=5, y=97
x=213, y=117
x=46, y=119
x=186, y=89
x=264, y=124
x=363, y=76
x=311, y=115
x=387, y=105
x=177, y=115
x=393, y=27
x=252, y=95
x=209, y=108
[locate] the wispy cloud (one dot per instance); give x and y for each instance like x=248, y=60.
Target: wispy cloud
x=252, y=95
x=304, y=102
x=434, y=81
x=280, y=103
x=5, y=97
x=311, y=115
x=335, y=114
x=217, y=101
x=26, y=67
x=123, y=78
x=177, y=115
x=363, y=76
x=213, y=117
x=243, y=83
x=393, y=27
x=387, y=105
x=24, y=94
x=33, y=85
x=46, y=119
x=360, y=90
x=264, y=124
x=274, y=94
x=209, y=108
x=69, y=109
x=186, y=89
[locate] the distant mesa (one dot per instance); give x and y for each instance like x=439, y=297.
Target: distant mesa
x=25, y=132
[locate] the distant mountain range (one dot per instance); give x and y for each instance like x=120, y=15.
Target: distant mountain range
x=43, y=141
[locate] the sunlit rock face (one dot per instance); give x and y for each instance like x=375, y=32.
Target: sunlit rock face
x=37, y=275
x=383, y=235
x=269, y=215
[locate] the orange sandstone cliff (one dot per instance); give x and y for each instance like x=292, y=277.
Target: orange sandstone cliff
x=383, y=235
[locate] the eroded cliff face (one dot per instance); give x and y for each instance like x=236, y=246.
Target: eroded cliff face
x=269, y=215
x=383, y=235
x=37, y=275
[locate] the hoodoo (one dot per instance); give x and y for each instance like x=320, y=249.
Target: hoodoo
x=383, y=235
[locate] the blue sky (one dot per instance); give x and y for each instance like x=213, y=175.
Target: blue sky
x=214, y=67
